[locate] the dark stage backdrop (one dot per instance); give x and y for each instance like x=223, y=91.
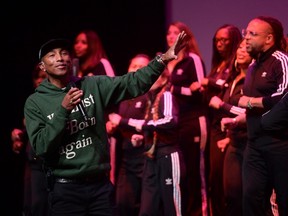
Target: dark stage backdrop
x=125, y=27
x=204, y=17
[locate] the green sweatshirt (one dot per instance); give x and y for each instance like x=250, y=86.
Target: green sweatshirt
x=70, y=146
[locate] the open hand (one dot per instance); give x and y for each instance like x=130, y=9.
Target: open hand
x=172, y=52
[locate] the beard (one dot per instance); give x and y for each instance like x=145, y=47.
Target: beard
x=253, y=51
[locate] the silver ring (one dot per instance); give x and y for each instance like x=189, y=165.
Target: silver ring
x=71, y=101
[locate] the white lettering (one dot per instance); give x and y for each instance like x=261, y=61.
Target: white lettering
x=50, y=116
x=68, y=149
x=74, y=126
x=88, y=101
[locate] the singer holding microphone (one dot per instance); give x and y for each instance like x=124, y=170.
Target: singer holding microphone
x=75, y=150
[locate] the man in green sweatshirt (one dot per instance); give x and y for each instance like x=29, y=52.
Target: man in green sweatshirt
x=66, y=126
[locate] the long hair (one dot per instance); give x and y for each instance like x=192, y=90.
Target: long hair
x=234, y=70
x=192, y=45
x=235, y=37
x=94, y=53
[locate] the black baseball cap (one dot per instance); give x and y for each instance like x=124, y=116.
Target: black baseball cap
x=52, y=44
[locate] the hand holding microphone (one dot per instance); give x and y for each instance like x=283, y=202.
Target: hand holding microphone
x=80, y=103
x=74, y=95
x=73, y=99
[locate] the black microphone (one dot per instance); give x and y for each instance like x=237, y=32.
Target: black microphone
x=75, y=66
x=81, y=106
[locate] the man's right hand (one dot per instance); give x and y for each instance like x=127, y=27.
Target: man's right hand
x=72, y=98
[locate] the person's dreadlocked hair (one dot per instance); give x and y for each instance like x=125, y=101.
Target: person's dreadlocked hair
x=278, y=31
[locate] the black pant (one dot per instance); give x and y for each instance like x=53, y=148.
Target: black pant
x=82, y=198
x=35, y=189
x=265, y=167
x=232, y=179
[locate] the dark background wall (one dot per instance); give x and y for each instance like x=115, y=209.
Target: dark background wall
x=204, y=17
x=125, y=27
